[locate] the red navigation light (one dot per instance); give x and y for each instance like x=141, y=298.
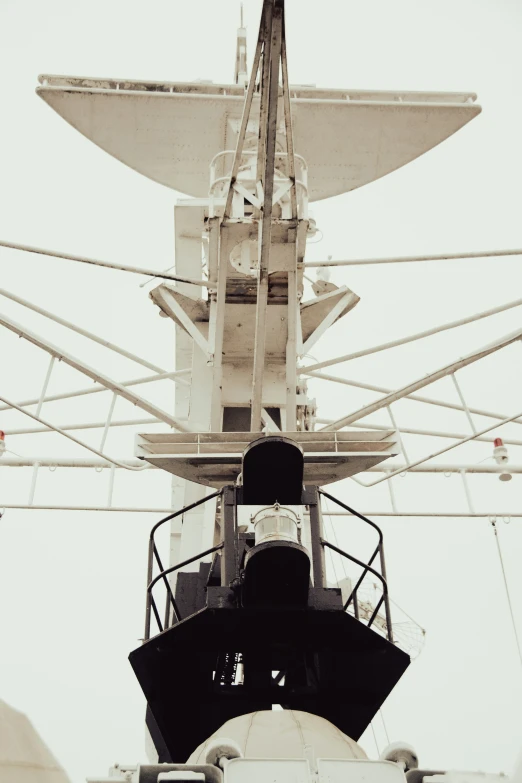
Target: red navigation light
x=498, y=442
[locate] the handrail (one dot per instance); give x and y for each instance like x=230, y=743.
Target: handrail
x=184, y=510
x=153, y=553
x=163, y=575
x=184, y=563
x=378, y=548
x=357, y=562
x=367, y=568
x=354, y=512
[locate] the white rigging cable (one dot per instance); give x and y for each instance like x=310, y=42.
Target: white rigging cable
x=384, y=725
x=375, y=739
x=508, y=595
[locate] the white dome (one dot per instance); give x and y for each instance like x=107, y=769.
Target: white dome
x=289, y=734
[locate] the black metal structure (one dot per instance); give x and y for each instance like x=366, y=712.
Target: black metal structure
x=272, y=472
x=329, y=662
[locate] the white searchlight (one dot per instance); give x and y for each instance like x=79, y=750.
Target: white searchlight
x=277, y=568
x=276, y=523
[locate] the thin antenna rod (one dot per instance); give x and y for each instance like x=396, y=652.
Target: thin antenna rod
x=107, y=264
x=409, y=259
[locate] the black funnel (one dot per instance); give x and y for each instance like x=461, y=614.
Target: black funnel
x=273, y=472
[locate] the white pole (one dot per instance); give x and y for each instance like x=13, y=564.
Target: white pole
x=407, y=430
x=410, y=259
x=108, y=421
x=98, y=425
x=80, y=330
x=107, y=264
x=70, y=462
x=69, y=437
x=441, y=451
x=45, y=385
x=425, y=381
x=467, y=491
x=111, y=485
x=463, y=402
x=33, y=483
x=99, y=388
x=77, y=364
x=412, y=337
x=410, y=514
x=416, y=397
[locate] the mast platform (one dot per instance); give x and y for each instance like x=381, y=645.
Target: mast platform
x=214, y=458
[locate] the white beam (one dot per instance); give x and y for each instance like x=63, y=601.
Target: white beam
x=266, y=153
x=325, y=324
x=74, y=462
x=288, y=122
x=407, y=514
x=37, y=463
x=429, y=433
x=107, y=264
x=268, y=421
x=80, y=330
x=77, y=364
x=412, y=337
x=414, y=397
x=217, y=325
x=429, y=514
x=291, y=349
x=88, y=426
x=396, y=471
x=447, y=468
x=246, y=111
x=176, y=311
x=425, y=381
x=410, y=259
x=96, y=388
x=119, y=509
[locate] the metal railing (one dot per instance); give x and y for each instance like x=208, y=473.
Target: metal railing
x=367, y=569
x=223, y=182
x=153, y=557
x=170, y=601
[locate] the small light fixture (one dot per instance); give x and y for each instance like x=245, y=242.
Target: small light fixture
x=500, y=454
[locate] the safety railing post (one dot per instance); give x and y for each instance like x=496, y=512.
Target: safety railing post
x=146, y=634
x=229, y=561
x=316, y=539
x=387, y=610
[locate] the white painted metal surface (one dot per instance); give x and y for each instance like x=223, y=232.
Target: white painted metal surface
x=359, y=771
x=215, y=459
x=171, y=131
x=24, y=757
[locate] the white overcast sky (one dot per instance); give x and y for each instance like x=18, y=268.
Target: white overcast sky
x=72, y=584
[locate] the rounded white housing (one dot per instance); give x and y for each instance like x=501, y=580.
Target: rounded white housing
x=276, y=523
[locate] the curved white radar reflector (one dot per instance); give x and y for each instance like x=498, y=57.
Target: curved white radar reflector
x=171, y=131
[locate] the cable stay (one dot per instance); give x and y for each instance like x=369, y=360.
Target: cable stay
x=506, y=586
